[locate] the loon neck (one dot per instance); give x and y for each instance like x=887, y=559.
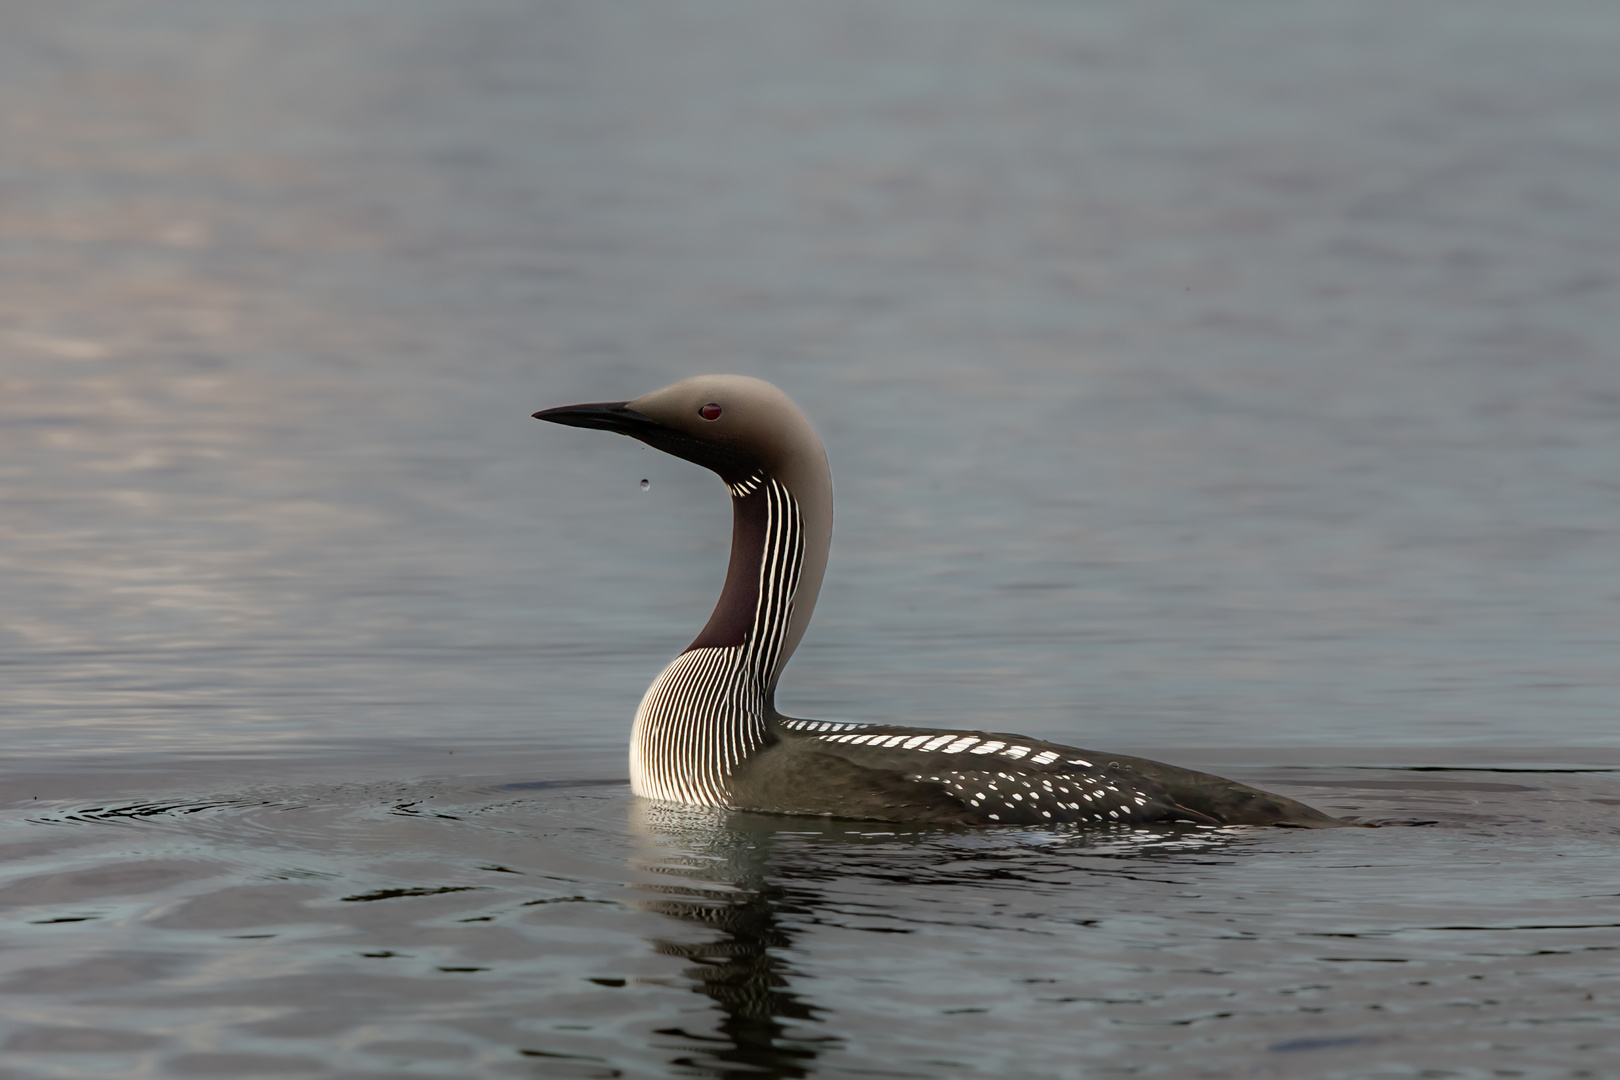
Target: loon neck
x=712, y=708
x=762, y=581
x=778, y=554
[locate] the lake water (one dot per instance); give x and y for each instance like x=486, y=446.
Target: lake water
x=1235, y=385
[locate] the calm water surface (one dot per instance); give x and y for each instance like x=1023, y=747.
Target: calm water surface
x=1230, y=384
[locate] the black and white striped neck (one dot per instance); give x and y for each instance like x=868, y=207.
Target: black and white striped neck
x=708, y=711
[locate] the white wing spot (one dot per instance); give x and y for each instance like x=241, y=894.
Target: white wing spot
x=960, y=745
x=1045, y=757
x=1015, y=752
x=989, y=747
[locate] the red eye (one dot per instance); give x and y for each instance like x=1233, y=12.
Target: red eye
x=711, y=411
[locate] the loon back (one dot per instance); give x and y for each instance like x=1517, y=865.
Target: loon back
x=708, y=733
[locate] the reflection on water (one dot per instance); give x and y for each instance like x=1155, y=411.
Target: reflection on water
x=727, y=890
x=562, y=929
x=752, y=883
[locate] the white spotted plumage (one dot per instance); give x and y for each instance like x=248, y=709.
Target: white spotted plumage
x=1043, y=786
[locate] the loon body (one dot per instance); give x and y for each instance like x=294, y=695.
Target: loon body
x=708, y=733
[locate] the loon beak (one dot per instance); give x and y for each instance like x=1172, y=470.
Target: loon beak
x=604, y=416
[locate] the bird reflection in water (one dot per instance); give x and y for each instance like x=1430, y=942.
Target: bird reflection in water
x=754, y=885
x=712, y=869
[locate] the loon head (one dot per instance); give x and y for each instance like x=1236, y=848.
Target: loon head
x=739, y=427
x=751, y=434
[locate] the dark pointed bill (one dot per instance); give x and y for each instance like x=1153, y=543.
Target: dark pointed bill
x=602, y=415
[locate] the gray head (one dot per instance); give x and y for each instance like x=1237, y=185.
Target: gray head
x=741, y=428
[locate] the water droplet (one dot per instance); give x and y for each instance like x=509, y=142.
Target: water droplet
x=645, y=483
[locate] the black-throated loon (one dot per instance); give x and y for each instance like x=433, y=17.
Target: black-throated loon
x=708, y=732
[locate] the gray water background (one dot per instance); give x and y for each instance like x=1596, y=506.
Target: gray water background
x=1235, y=384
